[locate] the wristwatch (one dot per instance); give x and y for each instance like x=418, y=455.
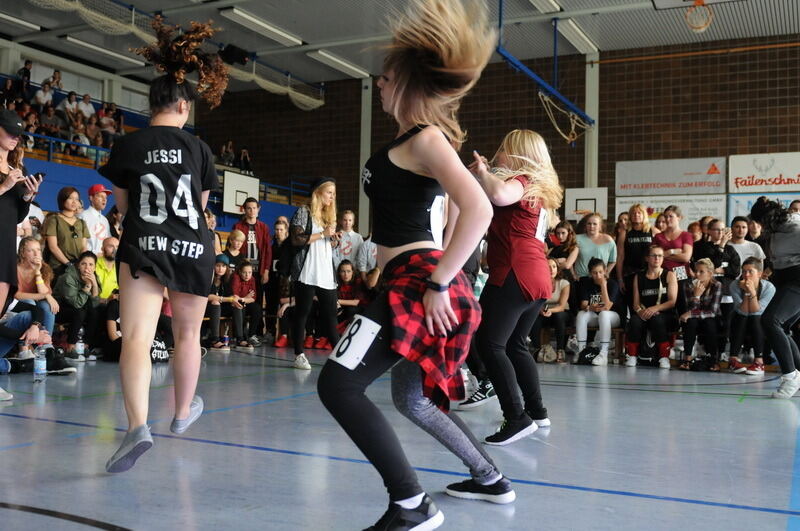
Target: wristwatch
x=441, y=288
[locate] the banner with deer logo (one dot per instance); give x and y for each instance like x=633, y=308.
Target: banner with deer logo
x=768, y=172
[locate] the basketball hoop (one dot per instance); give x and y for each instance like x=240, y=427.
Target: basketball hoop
x=576, y=124
x=699, y=16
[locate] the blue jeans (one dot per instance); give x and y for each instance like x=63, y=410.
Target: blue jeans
x=21, y=322
x=777, y=320
x=49, y=319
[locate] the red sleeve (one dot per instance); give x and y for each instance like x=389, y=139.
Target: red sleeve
x=686, y=237
x=523, y=180
x=236, y=285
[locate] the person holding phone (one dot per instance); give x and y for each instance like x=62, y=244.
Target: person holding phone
x=16, y=192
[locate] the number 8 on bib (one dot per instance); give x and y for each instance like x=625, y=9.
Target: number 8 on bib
x=355, y=342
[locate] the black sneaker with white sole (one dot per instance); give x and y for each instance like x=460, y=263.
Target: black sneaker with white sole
x=482, y=394
x=510, y=432
x=57, y=366
x=498, y=492
x=424, y=517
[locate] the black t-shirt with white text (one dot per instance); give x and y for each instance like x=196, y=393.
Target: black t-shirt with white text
x=165, y=171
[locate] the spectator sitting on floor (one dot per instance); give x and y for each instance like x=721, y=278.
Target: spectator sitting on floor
x=702, y=297
x=20, y=323
x=751, y=295
x=348, y=293
x=219, y=302
x=34, y=279
x=77, y=292
x=601, y=306
x=93, y=216
x=655, y=292
x=106, y=270
x=243, y=286
x=554, y=314
x=112, y=346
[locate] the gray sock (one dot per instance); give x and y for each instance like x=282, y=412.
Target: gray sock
x=135, y=443
x=195, y=410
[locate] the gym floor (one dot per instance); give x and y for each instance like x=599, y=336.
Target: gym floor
x=629, y=449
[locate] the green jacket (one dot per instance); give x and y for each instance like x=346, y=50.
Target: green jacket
x=69, y=288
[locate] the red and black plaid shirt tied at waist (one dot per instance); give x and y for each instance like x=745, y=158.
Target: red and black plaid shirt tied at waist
x=439, y=357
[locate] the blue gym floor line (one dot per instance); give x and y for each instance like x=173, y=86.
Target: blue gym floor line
x=788, y=512
x=793, y=523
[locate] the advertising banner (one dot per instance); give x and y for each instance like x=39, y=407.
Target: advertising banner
x=671, y=176
x=693, y=207
x=772, y=172
x=740, y=204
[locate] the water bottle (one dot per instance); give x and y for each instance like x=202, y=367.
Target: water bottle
x=39, y=364
x=225, y=340
x=79, y=345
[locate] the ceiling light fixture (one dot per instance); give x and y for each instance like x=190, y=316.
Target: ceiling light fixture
x=101, y=50
x=546, y=6
x=20, y=22
x=259, y=25
x=337, y=63
x=576, y=37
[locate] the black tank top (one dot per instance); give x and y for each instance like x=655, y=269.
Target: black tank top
x=406, y=207
x=650, y=289
x=637, y=245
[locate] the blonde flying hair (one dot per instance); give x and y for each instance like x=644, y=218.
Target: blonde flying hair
x=323, y=215
x=641, y=208
x=526, y=154
x=438, y=50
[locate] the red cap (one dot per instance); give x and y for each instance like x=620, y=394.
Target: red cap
x=97, y=188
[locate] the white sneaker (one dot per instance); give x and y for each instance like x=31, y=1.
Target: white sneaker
x=630, y=361
x=301, y=362
x=5, y=395
x=790, y=383
x=542, y=423
x=663, y=363
x=601, y=359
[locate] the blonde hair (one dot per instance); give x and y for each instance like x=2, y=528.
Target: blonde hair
x=323, y=215
x=706, y=262
x=527, y=155
x=641, y=208
x=438, y=50
x=235, y=234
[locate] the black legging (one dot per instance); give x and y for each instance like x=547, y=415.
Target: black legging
x=75, y=318
x=724, y=325
x=253, y=313
x=660, y=327
x=706, y=328
x=304, y=296
x=558, y=322
x=475, y=363
x=507, y=318
x=214, y=312
x=746, y=326
x=777, y=320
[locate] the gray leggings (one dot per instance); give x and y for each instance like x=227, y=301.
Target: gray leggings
x=342, y=391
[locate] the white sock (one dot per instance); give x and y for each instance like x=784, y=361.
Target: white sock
x=490, y=480
x=790, y=376
x=412, y=502
x=581, y=345
x=604, y=348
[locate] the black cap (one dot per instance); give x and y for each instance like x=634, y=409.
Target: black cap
x=322, y=180
x=11, y=122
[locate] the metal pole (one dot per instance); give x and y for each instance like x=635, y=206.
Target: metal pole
x=555, y=52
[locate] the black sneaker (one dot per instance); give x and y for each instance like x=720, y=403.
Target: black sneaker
x=425, y=516
x=482, y=394
x=512, y=431
x=57, y=366
x=498, y=492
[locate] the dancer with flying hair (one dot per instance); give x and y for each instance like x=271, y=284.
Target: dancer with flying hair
x=162, y=177
x=525, y=191
x=421, y=325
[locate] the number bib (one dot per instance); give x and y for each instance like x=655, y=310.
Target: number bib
x=680, y=272
x=355, y=342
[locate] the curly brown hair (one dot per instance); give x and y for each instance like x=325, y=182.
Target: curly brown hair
x=182, y=54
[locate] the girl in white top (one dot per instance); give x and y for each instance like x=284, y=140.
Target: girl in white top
x=312, y=269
